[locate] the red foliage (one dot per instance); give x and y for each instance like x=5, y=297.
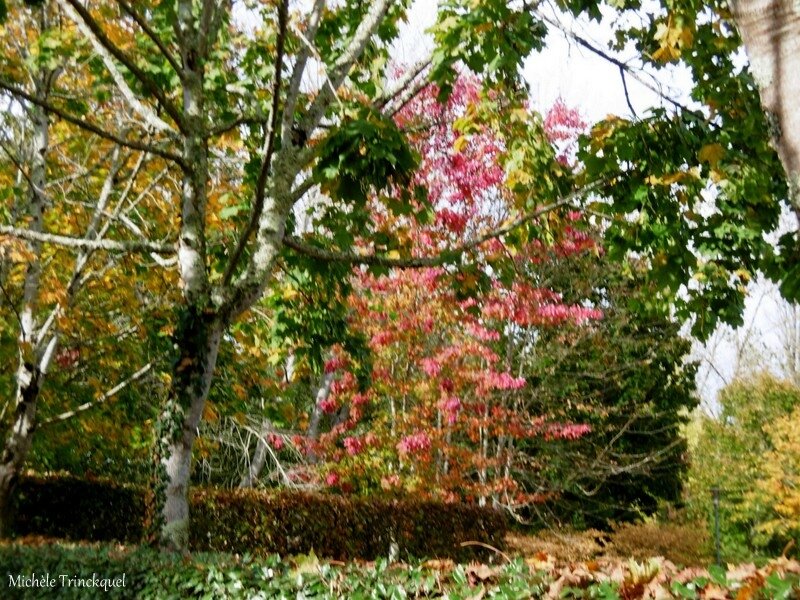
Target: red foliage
x=445, y=412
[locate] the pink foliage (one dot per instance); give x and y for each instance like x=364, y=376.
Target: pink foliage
x=328, y=406
x=566, y=431
x=491, y=380
x=353, y=445
x=562, y=126
x=450, y=407
x=334, y=364
x=431, y=367
x=414, y=443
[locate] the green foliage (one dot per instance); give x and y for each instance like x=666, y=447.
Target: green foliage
x=250, y=521
x=367, y=152
x=152, y=575
x=730, y=453
x=666, y=170
x=468, y=33
x=624, y=376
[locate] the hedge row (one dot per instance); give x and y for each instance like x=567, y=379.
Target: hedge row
x=261, y=523
x=340, y=527
x=64, y=506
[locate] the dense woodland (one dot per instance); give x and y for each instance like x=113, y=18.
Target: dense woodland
x=264, y=288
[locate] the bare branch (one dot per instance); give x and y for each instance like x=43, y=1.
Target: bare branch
x=101, y=399
x=403, y=85
x=85, y=244
x=91, y=127
x=623, y=67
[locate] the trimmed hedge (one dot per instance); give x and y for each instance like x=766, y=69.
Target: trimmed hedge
x=338, y=527
x=65, y=506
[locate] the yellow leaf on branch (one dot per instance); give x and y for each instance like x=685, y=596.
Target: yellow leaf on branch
x=711, y=154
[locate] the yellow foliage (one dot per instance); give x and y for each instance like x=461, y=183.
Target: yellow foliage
x=670, y=178
x=711, y=154
x=672, y=37
x=460, y=143
x=779, y=482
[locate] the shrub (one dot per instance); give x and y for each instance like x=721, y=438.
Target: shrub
x=684, y=544
x=339, y=527
x=65, y=506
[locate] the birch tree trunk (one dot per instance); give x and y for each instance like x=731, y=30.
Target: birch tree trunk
x=770, y=30
x=200, y=329
x=259, y=458
x=32, y=360
x=191, y=382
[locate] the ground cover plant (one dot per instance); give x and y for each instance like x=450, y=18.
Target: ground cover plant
x=150, y=574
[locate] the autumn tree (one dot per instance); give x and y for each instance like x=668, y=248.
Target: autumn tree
x=472, y=394
x=741, y=452
x=233, y=103
x=66, y=309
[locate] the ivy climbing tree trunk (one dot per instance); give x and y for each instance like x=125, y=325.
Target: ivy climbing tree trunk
x=200, y=338
x=200, y=329
x=770, y=30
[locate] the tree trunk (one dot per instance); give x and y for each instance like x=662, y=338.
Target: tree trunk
x=320, y=395
x=17, y=445
x=770, y=30
x=199, y=340
x=32, y=358
x=259, y=458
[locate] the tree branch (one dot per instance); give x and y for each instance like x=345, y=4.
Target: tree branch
x=431, y=261
x=91, y=127
x=145, y=79
x=86, y=244
x=101, y=399
x=154, y=37
x=624, y=67
x=261, y=183
x=293, y=91
x=236, y=122
x=363, y=33
x=403, y=85
x=151, y=119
